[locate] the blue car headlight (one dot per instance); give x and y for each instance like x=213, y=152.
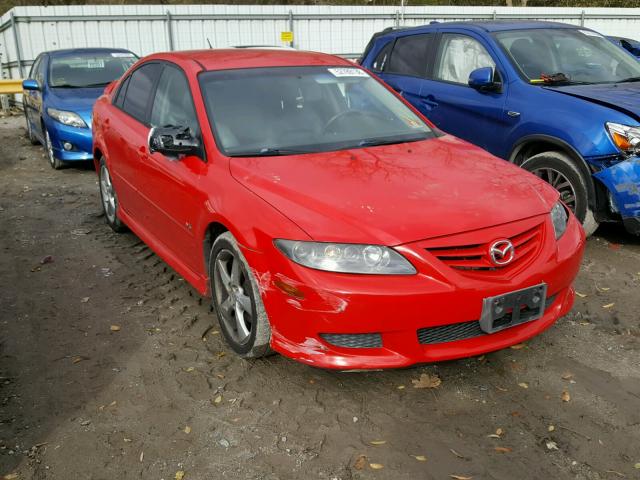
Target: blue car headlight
x=66, y=118
x=346, y=257
x=559, y=219
x=625, y=137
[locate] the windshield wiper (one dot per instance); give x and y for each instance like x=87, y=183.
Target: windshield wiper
x=629, y=80
x=372, y=142
x=91, y=85
x=270, y=152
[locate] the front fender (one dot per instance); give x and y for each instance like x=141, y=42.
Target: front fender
x=623, y=181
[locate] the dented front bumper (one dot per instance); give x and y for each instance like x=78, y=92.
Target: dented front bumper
x=623, y=181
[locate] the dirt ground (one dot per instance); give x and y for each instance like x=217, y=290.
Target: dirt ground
x=112, y=367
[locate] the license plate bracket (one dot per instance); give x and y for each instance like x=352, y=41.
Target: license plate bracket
x=513, y=308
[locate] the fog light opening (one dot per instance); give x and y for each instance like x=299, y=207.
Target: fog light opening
x=67, y=146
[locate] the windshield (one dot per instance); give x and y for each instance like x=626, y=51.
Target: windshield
x=568, y=56
x=89, y=69
x=289, y=110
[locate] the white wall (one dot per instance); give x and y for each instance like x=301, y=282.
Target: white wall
x=332, y=29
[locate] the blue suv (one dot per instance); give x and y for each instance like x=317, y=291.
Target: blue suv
x=561, y=101
x=59, y=95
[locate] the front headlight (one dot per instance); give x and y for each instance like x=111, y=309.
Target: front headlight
x=346, y=257
x=626, y=137
x=559, y=218
x=66, y=118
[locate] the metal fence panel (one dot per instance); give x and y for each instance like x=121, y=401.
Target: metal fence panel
x=334, y=29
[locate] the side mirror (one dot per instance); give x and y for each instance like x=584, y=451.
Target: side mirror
x=30, y=84
x=482, y=80
x=173, y=141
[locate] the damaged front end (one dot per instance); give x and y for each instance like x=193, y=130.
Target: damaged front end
x=623, y=182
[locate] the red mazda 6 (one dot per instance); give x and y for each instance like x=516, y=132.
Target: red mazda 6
x=326, y=218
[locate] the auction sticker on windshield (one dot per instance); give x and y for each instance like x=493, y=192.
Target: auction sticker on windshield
x=348, y=72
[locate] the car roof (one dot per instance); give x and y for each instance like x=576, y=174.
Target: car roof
x=488, y=26
x=76, y=51
x=229, y=58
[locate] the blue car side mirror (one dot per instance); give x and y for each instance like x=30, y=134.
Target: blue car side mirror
x=482, y=79
x=30, y=84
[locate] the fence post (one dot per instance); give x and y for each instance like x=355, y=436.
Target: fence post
x=16, y=39
x=582, y=18
x=292, y=42
x=495, y=15
x=169, y=31
x=397, y=19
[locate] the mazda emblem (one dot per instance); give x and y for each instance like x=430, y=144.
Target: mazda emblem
x=502, y=252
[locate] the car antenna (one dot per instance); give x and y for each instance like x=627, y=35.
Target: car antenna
x=209, y=42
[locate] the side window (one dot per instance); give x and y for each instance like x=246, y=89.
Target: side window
x=173, y=105
x=39, y=71
x=139, y=91
x=458, y=56
x=381, y=59
x=119, y=100
x=409, y=56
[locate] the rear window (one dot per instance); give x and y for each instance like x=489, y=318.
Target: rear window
x=409, y=56
x=88, y=70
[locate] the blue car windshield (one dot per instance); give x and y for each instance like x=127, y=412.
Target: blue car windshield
x=292, y=110
x=568, y=56
x=88, y=69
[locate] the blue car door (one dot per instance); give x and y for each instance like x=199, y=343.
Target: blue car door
x=476, y=116
x=403, y=65
x=33, y=98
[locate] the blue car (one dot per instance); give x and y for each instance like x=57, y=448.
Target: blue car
x=631, y=46
x=561, y=101
x=59, y=95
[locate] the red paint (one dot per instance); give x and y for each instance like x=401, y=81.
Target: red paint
x=437, y=193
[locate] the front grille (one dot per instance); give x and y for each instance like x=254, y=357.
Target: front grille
x=353, y=340
x=475, y=258
x=459, y=331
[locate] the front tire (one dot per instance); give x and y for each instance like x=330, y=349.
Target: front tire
x=559, y=171
x=109, y=199
x=55, y=163
x=236, y=300
x=32, y=138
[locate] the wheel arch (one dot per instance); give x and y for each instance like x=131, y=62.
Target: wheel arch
x=532, y=145
x=213, y=230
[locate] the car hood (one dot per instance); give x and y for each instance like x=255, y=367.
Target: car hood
x=624, y=97
x=395, y=194
x=78, y=100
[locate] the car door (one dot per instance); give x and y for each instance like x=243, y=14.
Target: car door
x=126, y=134
x=171, y=186
x=403, y=65
x=476, y=116
x=33, y=98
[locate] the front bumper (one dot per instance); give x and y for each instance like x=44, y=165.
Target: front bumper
x=623, y=181
x=305, y=305
x=80, y=138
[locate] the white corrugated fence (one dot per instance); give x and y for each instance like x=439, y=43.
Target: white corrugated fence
x=345, y=30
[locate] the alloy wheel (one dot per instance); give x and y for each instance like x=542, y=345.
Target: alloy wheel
x=234, y=303
x=561, y=183
x=108, y=195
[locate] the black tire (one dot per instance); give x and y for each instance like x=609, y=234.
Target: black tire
x=32, y=138
x=560, y=171
x=227, y=305
x=54, y=162
x=109, y=199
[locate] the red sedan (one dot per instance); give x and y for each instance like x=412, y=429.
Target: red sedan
x=327, y=219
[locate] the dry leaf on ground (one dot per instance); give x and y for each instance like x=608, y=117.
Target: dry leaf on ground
x=608, y=305
x=581, y=295
x=565, y=396
x=217, y=400
x=360, y=462
x=179, y=475
x=376, y=466
x=115, y=328
x=502, y=449
x=187, y=430
x=518, y=346
x=523, y=385
x=551, y=445
x=420, y=458
x=460, y=477
x=378, y=442
x=427, y=381
x=567, y=376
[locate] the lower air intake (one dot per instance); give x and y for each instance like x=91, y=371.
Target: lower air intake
x=353, y=340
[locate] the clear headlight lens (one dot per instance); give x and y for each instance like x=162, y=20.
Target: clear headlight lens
x=346, y=257
x=66, y=118
x=626, y=137
x=559, y=218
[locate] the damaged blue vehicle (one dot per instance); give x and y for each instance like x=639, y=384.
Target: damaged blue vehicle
x=559, y=100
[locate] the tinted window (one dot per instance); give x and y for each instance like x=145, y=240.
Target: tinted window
x=119, y=101
x=284, y=110
x=409, y=56
x=458, y=56
x=173, y=105
x=88, y=69
x=381, y=59
x=139, y=90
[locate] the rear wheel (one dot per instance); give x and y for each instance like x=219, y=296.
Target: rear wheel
x=109, y=199
x=55, y=163
x=236, y=300
x=559, y=171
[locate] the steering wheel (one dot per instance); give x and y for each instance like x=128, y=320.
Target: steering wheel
x=347, y=113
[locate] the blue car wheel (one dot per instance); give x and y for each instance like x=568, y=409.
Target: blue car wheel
x=55, y=163
x=32, y=138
